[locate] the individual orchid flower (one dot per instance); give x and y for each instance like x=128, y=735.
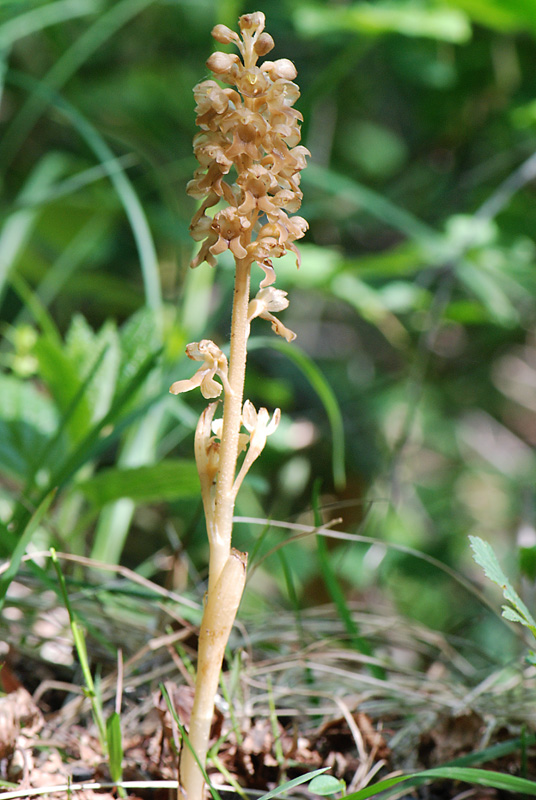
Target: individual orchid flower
x=214, y=364
x=259, y=426
x=267, y=300
x=229, y=225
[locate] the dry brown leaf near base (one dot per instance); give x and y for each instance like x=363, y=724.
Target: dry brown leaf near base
x=17, y=712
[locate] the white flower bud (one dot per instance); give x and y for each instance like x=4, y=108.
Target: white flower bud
x=264, y=44
x=283, y=68
x=223, y=34
x=221, y=62
x=252, y=22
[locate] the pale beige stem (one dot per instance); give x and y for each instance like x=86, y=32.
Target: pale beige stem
x=225, y=497
x=227, y=568
x=218, y=617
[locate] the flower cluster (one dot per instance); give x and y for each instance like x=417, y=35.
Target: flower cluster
x=249, y=152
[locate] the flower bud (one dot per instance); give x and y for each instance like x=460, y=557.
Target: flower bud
x=252, y=22
x=283, y=68
x=264, y=44
x=221, y=63
x=223, y=34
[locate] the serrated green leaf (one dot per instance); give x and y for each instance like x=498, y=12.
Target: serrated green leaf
x=514, y=616
x=164, y=481
x=484, y=555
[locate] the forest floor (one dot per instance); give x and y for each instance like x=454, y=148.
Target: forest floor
x=303, y=703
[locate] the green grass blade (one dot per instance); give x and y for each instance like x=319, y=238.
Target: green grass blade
x=291, y=784
x=18, y=225
x=42, y=17
x=22, y=543
x=103, y=29
x=121, y=183
x=337, y=595
x=325, y=393
x=171, y=708
x=75, y=183
x=481, y=777
x=373, y=203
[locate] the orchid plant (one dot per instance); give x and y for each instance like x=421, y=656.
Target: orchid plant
x=249, y=174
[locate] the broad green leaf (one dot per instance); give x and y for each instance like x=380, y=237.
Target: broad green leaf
x=164, y=481
x=81, y=345
x=139, y=338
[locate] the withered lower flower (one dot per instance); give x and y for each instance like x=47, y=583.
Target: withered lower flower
x=259, y=426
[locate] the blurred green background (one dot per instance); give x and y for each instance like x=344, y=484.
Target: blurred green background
x=410, y=390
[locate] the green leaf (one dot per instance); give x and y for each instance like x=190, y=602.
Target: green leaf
x=62, y=378
x=354, y=194
x=19, y=225
x=164, y=481
x=482, y=777
x=27, y=423
x=22, y=543
x=406, y=18
x=484, y=555
x=489, y=291
x=115, y=746
x=120, y=181
x=502, y=15
x=326, y=785
x=324, y=391
x=284, y=787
